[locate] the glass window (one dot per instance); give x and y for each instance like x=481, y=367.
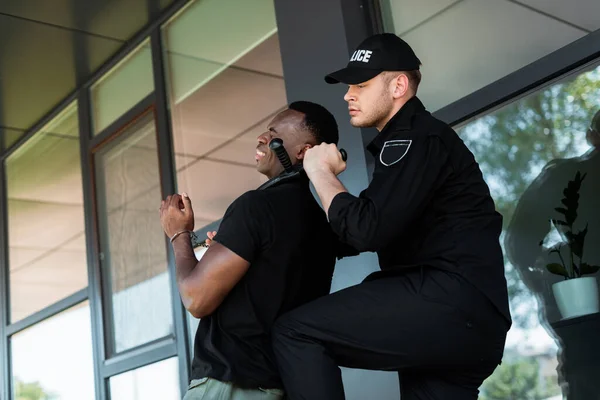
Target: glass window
x=46, y=236
x=53, y=359
x=123, y=87
x=223, y=60
x=155, y=381
x=133, y=250
x=531, y=152
x=466, y=45
x=10, y=136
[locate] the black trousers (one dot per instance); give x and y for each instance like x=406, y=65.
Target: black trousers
x=442, y=336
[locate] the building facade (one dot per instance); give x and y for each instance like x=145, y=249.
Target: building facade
x=125, y=102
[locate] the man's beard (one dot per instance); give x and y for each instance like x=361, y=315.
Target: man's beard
x=379, y=112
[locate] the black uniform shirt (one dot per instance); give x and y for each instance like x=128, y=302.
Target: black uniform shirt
x=284, y=234
x=427, y=205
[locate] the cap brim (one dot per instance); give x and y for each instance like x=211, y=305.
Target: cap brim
x=352, y=76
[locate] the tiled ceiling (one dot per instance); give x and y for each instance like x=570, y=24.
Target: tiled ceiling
x=217, y=126
x=47, y=47
x=465, y=45
x=216, y=129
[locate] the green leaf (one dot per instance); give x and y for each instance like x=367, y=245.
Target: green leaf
x=577, y=241
x=557, y=269
x=561, y=210
x=559, y=222
x=587, y=269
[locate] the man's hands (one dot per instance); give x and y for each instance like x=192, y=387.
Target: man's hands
x=323, y=158
x=176, y=214
x=211, y=236
x=322, y=164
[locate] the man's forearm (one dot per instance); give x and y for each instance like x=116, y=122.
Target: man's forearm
x=327, y=186
x=185, y=258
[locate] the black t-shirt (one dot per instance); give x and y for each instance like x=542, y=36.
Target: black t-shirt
x=427, y=205
x=284, y=234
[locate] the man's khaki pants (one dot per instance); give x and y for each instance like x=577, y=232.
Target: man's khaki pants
x=212, y=389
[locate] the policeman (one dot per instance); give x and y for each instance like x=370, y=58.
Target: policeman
x=437, y=311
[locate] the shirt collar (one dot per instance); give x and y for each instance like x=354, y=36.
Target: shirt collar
x=301, y=178
x=401, y=121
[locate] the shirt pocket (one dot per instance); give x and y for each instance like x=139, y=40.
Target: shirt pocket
x=394, y=151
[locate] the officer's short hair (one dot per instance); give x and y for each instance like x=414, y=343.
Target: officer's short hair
x=318, y=121
x=414, y=77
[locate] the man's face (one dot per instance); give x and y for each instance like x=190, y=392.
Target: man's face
x=370, y=103
x=287, y=126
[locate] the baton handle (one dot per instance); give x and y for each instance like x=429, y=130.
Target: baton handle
x=276, y=145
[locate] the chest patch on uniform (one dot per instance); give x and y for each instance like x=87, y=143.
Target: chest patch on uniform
x=394, y=151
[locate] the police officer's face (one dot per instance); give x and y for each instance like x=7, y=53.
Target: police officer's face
x=374, y=102
x=288, y=126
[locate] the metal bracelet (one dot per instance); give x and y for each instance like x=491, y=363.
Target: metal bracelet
x=193, y=239
x=179, y=233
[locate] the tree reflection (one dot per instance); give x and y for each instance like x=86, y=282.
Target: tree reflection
x=514, y=145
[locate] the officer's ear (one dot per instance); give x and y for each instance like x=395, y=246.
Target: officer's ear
x=302, y=151
x=401, y=85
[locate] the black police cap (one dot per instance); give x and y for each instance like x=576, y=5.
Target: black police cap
x=377, y=53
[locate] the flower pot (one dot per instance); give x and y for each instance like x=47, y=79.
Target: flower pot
x=576, y=297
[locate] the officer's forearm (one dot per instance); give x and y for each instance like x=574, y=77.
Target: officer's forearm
x=327, y=186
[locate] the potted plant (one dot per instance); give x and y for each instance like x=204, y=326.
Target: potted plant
x=576, y=295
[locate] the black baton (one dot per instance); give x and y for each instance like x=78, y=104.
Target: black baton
x=289, y=171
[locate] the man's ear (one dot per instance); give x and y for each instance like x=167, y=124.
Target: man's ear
x=401, y=85
x=302, y=151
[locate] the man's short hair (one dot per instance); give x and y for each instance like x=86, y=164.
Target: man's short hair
x=318, y=121
x=414, y=78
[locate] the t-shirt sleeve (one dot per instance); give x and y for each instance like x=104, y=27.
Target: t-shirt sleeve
x=247, y=226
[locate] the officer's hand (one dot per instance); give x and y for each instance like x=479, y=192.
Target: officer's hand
x=211, y=236
x=176, y=214
x=323, y=158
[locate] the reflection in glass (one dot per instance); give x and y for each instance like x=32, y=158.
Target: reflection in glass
x=53, y=359
x=10, y=136
x=46, y=235
x=132, y=240
x=529, y=150
x=123, y=87
x=222, y=57
x=155, y=381
x=479, y=42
